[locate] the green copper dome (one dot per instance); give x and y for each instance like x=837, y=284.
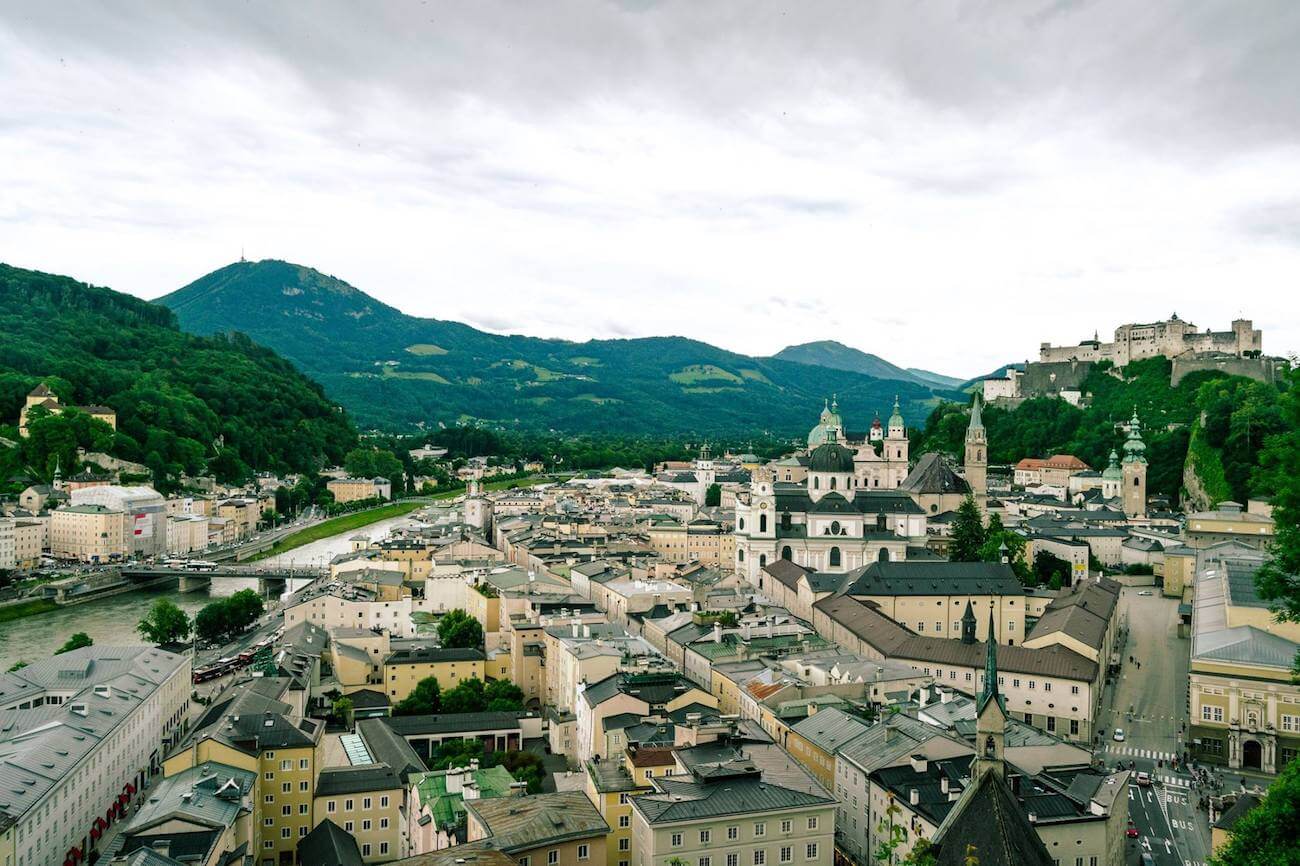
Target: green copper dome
x=1134, y=447
x=1112, y=470
x=831, y=457
x=896, y=419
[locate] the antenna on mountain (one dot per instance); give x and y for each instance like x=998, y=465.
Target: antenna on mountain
x=241, y=255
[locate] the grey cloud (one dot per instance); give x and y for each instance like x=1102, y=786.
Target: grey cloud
x=1275, y=221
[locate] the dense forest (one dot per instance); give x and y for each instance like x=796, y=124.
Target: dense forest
x=1224, y=421
x=184, y=404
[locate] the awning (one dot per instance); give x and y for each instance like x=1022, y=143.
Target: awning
x=130, y=789
x=122, y=800
x=99, y=823
x=94, y=833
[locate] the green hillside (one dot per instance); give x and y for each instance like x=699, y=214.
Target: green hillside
x=184, y=403
x=837, y=356
x=394, y=370
x=1225, y=422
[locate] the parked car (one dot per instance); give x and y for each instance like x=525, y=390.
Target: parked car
x=1145, y=592
x=1119, y=735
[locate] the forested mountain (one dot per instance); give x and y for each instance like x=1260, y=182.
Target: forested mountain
x=395, y=370
x=837, y=356
x=184, y=403
x=1207, y=437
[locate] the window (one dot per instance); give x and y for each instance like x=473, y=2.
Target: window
x=553, y=856
x=1074, y=727
x=622, y=799
x=1015, y=683
x=704, y=861
x=302, y=786
x=1291, y=723
x=365, y=850
x=760, y=829
x=787, y=853
x=583, y=852
x=268, y=822
x=286, y=787
x=285, y=765
x=348, y=826
x=302, y=763
x=1074, y=690
x=329, y=806
x=733, y=860
x=835, y=556
x=365, y=824
x=810, y=852
x=523, y=861
x=285, y=810
x=285, y=832
x=677, y=840
x=347, y=806
x=760, y=857
x=270, y=777
x=1210, y=713
x=383, y=847
x=624, y=821
x=938, y=625
x=302, y=808
x=812, y=823
x=1031, y=685
x=383, y=802
x=705, y=837
x=1047, y=687
x=1051, y=724
x=920, y=626
x=733, y=833
x=383, y=823
x=625, y=844
x=785, y=826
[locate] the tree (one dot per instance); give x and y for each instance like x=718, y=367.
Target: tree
x=503, y=696
x=459, y=630
x=424, y=699
x=227, y=617
x=713, y=495
x=165, y=623
x=16, y=666
x=1049, y=568
x=1265, y=836
x=77, y=641
x=1280, y=471
x=342, y=709
x=524, y=766
x=996, y=538
x=468, y=697
x=458, y=753
x=967, y=532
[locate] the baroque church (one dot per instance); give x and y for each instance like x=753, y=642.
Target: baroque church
x=855, y=505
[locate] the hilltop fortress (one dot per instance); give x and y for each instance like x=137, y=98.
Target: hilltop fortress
x=1173, y=338
x=1061, y=370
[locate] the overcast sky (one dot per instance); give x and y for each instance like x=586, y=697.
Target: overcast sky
x=943, y=184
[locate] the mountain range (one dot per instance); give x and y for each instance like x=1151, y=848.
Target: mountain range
x=391, y=369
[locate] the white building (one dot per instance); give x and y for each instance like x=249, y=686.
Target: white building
x=83, y=733
x=187, y=533
x=144, y=527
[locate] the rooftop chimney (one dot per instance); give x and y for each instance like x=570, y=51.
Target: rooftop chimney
x=717, y=631
x=919, y=763
x=914, y=796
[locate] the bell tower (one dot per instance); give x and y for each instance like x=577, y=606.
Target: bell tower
x=976, y=460
x=1135, y=470
x=990, y=715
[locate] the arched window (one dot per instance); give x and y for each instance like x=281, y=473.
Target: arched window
x=880, y=522
x=989, y=748
x=740, y=555
x=1135, y=481
x=742, y=523
x=762, y=523
x=883, y=555
x=835, y=557
x=785, y=553
x=835, y=527
x=785, y=520
x=832, y=482
x=817, y=483
x=762, y=560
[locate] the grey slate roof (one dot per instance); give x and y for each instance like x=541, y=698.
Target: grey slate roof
x=445, y=723
x=935, y=578
x=521, y=823
x=988, y=818
x=335, y=781
x=933, y=475
x=686, y=798
x=386, y=746
x=329, y=845
x=434, y=654
x=831, y=729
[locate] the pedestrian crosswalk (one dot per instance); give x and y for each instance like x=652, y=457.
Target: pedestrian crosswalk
x=1133, y=751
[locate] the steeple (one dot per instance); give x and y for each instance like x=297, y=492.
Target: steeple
x=1134, y=447
x=990, y=689
x=968, y=624
x=976, y=419
x=976, y=459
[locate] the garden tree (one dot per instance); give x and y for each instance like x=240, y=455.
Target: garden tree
x=342, y=709
x=459, y=630
x=1280, y=471
x=16, y=666
x=424, y=699
x=164, y=623
x=53, y=439
x=468, y=697
x=1051, y=569
x=284, y=501
x=503, y=696
x=713, y=496
x=524, y=766
x=996, y=538
x=967, y=532
x=458, y=753
x=77, y=641
x=1266, y=835
x=227, y=617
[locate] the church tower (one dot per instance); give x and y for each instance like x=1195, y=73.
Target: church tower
x=894, y=449
x=976, y=460
x=478, y=508
x=968, y=624
x=1135, y=470
x=990, y=715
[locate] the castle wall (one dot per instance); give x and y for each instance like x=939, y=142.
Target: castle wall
x=1048, y=379
x=1259, y=369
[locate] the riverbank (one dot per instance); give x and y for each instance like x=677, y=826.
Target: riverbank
x=338, y=525
x=31, y=607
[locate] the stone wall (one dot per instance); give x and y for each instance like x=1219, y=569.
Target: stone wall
x=1046, y=379
x=1259, y=369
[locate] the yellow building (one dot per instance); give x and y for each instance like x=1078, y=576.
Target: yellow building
x=366, y=801
x=704, y=541
x=42, y=397
x=86, y=533
x=611, y=786
x=262, y=735
x=354, y=489
x=404, y=669
x=814, y=741
x=1179, y=570
x=1228, y=522
x=560, y=829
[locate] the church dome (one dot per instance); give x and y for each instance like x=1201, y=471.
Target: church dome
x=831, y=457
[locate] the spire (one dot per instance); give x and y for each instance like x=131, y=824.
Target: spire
x=990, y=690
x=968, y=624
x=976, y=419
x=896, y=419
x=1134, y=447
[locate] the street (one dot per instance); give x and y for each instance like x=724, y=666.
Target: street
x=1150, y=704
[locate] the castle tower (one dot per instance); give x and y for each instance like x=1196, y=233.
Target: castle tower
x=990, y=715
x=1135, y=470
x=976, y=461
x=894, y=449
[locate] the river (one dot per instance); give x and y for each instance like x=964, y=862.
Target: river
x=112, y=621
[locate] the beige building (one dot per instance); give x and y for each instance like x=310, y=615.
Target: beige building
x=1229, y=522
x=86, y=533
x=186, y=534
x=366, y=801
x=404, y=669
x=337, y=605
x=42, y=397
x=354, y=489
x=703, y=541
x=560, y=829
x=734, y=804
x=1245, y=704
